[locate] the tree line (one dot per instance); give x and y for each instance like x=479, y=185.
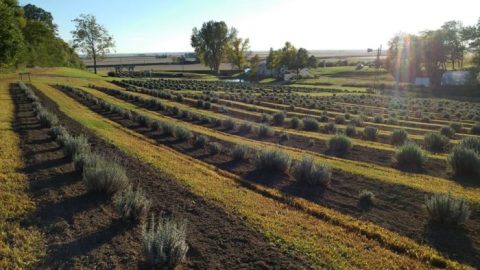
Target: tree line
x=214, y=42
x=432, y=52
x=29, y=37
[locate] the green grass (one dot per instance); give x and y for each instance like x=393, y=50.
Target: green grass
x=345, y=75
x=327, y=245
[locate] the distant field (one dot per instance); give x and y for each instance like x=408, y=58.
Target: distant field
x=178, y=140
x=328, y=55
x=347, y=76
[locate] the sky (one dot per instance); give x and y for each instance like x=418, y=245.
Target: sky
x=146, y=26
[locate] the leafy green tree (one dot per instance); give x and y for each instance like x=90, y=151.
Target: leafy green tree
x=11, y=38
x=211, y=43
x=36, y=14
x=404, y=57
x=92, y=38
x=471, y=36
x=312, y=62
x=301, y=59
x=434, y=55
x=237, y=50
x=288, y=55
x=454, y=42
x=253, y=62
x=272, y=60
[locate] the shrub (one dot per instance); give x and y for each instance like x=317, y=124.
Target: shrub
x=370, y=133
x=74, y=145
x=265, y=118
x=339, y=144
x=464, y=161
x=350, y=131
x=272, y=159
x=311, y=143
x=200, y=141
x=456, y=126
x=410, y=155
x=366, y=197
x=215, y=148
x=143, y=120
x=426, y=119
x=295, y=122
x=330, y=128
x=185, y=114
x=435, y=142
x=378, y=119
x=46, y=118
x=447, y=132
x=340, y=119
x=175, y=110
x=205, y=120
x=323, y=119
x=475, y=130
x=471, y=143
x=131, y=204
x=311, y=173
x=105, y=176
x=392, y=121
x=216, y=122
x=265, y=131
x=279, y=118
x=239, y=152
x=447, y=210
x=58, y=131
x=356, y=122
x=85, y=158
x=310, y=124
x=156, y=125
x=182, y=134
x=228, y=124
x=284, y=137
x=398, y=137
x=168, y=129
x=245, y=127
x=164, y=243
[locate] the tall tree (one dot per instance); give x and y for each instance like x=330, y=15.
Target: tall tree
x=404, y=57
x=434, y=54
x=272, y=60
x=92, y=38
x=36, y=14
x=288, y=55
x=471, y=35
x=11, y=38
x=301, y=59
x=312, y=62
x=454, y=45
x=237, y=51
x=254, y=61
x=211, y=43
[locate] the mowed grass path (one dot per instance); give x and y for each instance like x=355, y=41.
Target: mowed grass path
x=325, y=244
x=307, y=134
x=20, y=246
x=418, y=181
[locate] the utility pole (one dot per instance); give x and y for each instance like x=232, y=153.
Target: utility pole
x=377, y=67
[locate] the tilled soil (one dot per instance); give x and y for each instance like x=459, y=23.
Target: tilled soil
x=83, y=232
x=433, y=167
x=396, y=207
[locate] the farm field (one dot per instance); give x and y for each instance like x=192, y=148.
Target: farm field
x=225, y=159
x=262, y=135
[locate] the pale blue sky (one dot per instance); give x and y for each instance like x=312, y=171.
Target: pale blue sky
x=166, y=25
